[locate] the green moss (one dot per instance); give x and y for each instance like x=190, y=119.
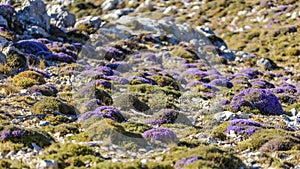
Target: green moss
x=8, y=146
x=166, y=81
x=49, y=105
x=8, y=89
x=63, y=129
x=148, y=89
x=109, y=131
x=219, y=131
x=70, y=154
x=253, y=35
x=57, y=119
x=135, y=127
x=133, y=165
x=211, y=156
x=12, y=164
x=16, y=59
x=28, y=78
x=255, y=141
x=185, y=53
x=104, y=97
x=292, y=52
x=30, y=136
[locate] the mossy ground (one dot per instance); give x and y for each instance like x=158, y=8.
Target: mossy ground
x=28, y=78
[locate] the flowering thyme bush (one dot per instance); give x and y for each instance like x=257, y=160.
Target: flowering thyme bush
x=160, y=134
x=106, y=112
x=243, y=126
x=165, y=116
x=263, y=100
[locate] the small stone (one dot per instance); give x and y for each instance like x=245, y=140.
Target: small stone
x=47, y=164
x=109, y=5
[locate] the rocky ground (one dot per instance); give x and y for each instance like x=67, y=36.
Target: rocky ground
x=149, y=84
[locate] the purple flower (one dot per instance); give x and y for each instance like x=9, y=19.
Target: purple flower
x=244, y=122
x=243, y=126
x=5, y=134
x=263, y=100
x=31, y=46
x=261, y=83
x=107, y=71
x=221, y=82
x=224, y=102
x=141, y=80
x=114, y=53
x=184, y=162
x=19, y=133
x=160, y=134
x=165, y=116
x=106, y=112
x=105, y=84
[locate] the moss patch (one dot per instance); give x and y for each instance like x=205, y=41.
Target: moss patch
x=49, y=105
x=28, y=78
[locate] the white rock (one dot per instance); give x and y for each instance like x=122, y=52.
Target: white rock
x=224, y=116
x=170, y=10
x=109, y=5
x=47, y=164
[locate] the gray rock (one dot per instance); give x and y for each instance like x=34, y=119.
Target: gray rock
x=89, y=22
x=33, y=13
x=2, y=58
x=266, y=63
x=47, y=164
x=170, y=10
x=6, y=10
x=3, y=42
x=60, y=17
x=109, y=5
x=3, y=21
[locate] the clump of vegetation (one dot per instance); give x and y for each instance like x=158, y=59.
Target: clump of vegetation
x=8, y=89
x=71, y=155
x=185, y=53
x=6, y=163
x=219, y=131
x=51, y=105
x=110, y=131
x=24, y=136
x=28, y=78
x=262, y=136
x=207, y=156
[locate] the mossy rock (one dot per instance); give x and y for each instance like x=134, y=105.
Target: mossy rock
x=104, y=97
x=185, y=53
x=63, y=129
x=15, y=58
x=28, y=78
x=25, y=136
x=135, y=127
x=166, y=81
x=128, y=101
x=71, y=155
x=109, y=131
x=56, y=119
x=219, y=131
x=255, y=141
x=50, y=105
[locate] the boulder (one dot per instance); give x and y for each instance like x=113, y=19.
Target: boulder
x=60, y=17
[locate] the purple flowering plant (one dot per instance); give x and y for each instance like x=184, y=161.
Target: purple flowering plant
x=263, y=100
x=160, y=134
x=106, y=112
